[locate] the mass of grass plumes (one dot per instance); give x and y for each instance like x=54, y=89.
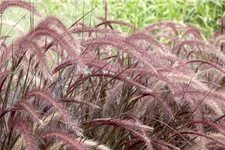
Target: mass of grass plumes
x=94, y=88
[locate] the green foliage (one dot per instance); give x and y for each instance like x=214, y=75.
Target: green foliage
x=203, y=14
x=200, y=13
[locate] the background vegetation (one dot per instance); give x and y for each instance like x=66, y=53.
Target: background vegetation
x=203, y=14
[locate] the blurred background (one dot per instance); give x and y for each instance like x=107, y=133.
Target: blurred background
x=201, y=13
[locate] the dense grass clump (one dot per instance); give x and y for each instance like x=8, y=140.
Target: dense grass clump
x=92, y=87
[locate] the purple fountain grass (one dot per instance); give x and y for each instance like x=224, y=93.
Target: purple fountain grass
x=30, y=109
x=142, y=36
x=106, y=11
x=58, y=108
x=127, y=125
x=4, y=74
x=211, y=98
x=121, y=44
x=220, y=128
x=220, y=40
x=91, y=30
x=6, y=4
x=90, y=61
x=42, y=31
x=222, y=22
x=201, y=135
x=25, y=129
x=167, y=24
x=75, y=100
x=164, y=103
x=195, y=32
x=149, y=89
x=119, y=77
x=53, y=21
x=67, y=138
x=106, y=22
x=208, y=48
x=214, y=65
x=215, y=36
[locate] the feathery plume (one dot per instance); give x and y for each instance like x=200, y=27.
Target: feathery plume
x=57, y=106
x=26, y=130
x=67, y=138
x=5, y=4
